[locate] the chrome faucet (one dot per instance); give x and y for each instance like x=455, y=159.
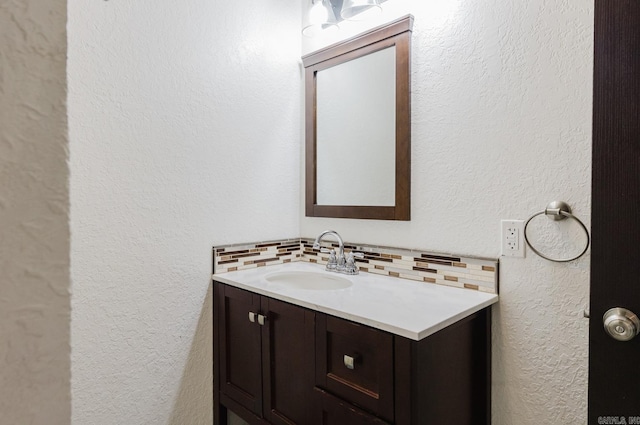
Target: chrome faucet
x=334, y=263
x=338, y=263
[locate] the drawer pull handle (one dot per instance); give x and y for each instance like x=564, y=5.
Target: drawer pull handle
x=252, y=317
x=261, y=319
x=349, y=362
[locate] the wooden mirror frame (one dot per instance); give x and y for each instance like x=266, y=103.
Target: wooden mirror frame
x=398, y=34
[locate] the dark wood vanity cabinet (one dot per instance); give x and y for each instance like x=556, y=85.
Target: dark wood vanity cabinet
x=309, y=368
x=263, y=358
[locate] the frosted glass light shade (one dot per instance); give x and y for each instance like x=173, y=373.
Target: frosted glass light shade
x=318, y=14
x=321, y=18
x=359, y=10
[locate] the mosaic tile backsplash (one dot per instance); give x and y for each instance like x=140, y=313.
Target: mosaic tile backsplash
x=450, y=270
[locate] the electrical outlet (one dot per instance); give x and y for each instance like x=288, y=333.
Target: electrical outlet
x=512, y=238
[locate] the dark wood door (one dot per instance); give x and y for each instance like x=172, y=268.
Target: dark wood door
x=240, y=347
x=614, y=374
x=288, y=362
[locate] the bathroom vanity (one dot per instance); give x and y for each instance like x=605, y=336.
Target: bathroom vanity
x=380, y=350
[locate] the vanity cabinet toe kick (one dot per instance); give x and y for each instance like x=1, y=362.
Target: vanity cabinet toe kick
x=292, y=365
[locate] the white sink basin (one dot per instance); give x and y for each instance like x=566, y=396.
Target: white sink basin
x=314, y=281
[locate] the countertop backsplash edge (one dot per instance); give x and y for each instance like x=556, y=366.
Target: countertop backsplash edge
x=478, y=274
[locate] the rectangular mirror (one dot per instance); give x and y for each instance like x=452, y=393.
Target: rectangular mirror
x=358, y=126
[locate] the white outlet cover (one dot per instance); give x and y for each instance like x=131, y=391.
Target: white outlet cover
x=512, y=241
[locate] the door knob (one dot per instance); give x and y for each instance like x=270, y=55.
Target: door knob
x=621, y=324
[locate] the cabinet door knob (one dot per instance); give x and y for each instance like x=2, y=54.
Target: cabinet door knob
x=261, y=319
x=349, y=362
x=252, y=317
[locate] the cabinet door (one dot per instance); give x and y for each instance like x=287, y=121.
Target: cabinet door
x=355, y=362
x=333, y=411
x=240, y=355
x=288, y=362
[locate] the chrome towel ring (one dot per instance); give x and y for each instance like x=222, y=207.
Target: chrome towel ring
x=557, y=210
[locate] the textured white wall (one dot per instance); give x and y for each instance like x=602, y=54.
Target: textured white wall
x=184, y=131
x=501, y=125
x=34, y=215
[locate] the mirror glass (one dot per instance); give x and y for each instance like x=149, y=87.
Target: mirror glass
x=358, y=126
x=356, y=130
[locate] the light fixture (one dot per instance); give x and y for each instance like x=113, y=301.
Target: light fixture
x=321, y=17
x=359, y=10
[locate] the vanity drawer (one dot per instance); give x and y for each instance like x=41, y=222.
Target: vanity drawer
x=335, y=411
x=355, y=362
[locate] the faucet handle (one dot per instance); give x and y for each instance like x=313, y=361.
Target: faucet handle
x=332, y=262
x=350, y=266
x=325, y=250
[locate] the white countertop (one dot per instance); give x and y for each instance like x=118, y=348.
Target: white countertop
x=404, y=307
